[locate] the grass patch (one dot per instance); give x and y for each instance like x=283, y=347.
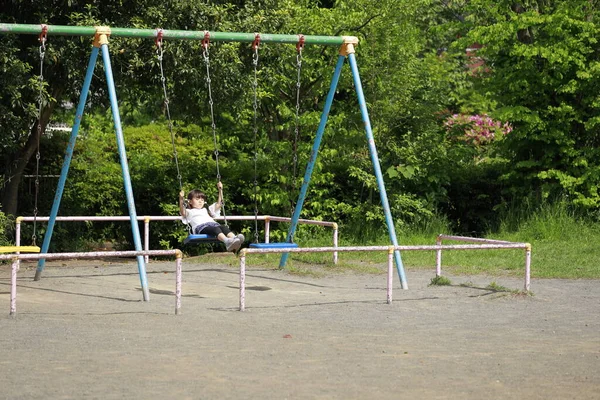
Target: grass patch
x=493, y=286
x=440, y=281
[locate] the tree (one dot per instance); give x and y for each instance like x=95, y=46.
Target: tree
x=405, y=78
x=63, y=74
x=542, y=73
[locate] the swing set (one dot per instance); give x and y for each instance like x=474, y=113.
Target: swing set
x=101, y=34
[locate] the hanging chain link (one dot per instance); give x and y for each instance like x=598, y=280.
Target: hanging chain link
x=255, y=125
x=296, y=128
x=42, y=51
x=160, y=53
x=299, y=48
x=206, y=56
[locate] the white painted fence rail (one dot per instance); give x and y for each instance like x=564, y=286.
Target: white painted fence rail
x=482, y=244
x=16, y=258
x=147, y=218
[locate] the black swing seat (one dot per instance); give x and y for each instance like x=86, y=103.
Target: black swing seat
x=284, y=245
x=200, y=238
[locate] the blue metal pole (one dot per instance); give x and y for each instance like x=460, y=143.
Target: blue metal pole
x=313, y=156
x=378, y=174
x=125, y=169
x=67, y=161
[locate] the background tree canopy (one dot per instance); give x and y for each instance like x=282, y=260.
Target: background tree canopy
x=477, y=107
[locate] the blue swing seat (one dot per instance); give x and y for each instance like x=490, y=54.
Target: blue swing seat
x=200, y=238
x=284, y=245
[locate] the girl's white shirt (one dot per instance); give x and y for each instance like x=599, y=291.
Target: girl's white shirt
x=199, y=216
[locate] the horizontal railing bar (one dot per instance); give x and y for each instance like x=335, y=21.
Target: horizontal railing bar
x=305, y=221
x=93, y=254
x=169, y=218
x=386, y=248
x=174, y=218
x=472, y=239
x=16, y=259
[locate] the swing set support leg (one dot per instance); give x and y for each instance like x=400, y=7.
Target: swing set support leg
x=135, y=229
x=375, y=161
x=67, y=161
x=347, y=50
x=100, y=42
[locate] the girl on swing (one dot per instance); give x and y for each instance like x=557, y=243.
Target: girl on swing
x=201, y=218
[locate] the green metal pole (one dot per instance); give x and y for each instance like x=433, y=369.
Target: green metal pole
x=170, y=34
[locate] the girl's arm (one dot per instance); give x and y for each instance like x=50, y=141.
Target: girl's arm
x=181, y=206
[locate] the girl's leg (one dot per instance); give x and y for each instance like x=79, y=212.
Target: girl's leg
x=239, y=237
x=224, y=235
x=215, y=231
x=226, y=231
x=233, y=242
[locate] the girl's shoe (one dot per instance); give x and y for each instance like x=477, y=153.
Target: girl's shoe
x=233, y=244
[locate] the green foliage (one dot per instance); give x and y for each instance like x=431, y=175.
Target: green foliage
x=96, y=186
x=537, y=68
x=18, y=87
x=541, y=73
x=6, y=225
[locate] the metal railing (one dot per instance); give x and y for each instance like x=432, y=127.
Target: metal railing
x=16, y=258
x=481, y=244
x=146, y=219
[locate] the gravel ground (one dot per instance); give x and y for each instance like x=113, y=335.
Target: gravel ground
x=82, y=331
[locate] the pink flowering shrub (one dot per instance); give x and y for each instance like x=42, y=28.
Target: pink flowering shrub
x=476, y=129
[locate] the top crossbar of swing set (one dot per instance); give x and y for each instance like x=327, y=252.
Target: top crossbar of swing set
x=64, y=30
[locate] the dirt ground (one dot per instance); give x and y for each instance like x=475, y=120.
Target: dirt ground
x=83, y=332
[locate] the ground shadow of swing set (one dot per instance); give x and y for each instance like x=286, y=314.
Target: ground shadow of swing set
x=101, y=36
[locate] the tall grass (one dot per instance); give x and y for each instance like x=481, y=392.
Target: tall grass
x=565, y=245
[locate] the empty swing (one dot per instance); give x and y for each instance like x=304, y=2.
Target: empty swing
x=271, y=245
x=34, y=248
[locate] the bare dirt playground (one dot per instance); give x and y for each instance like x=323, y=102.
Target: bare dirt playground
x=83, y=332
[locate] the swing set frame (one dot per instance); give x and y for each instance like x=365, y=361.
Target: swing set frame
x=101, y=35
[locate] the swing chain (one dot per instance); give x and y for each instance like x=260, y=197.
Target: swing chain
x=255, y=45
x=299, y=48
x=42, y=51
x=206, y=56
x=160, y=54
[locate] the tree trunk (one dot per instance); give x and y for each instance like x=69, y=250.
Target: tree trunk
x=11, y=191
x=523, y=35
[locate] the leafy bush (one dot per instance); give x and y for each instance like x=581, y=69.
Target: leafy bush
x=6, y=225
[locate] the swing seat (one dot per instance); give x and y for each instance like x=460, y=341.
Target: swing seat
x=200, y=238
x=284, y=245
x=23, y=249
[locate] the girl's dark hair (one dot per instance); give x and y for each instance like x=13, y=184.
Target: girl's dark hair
x=195, y=194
